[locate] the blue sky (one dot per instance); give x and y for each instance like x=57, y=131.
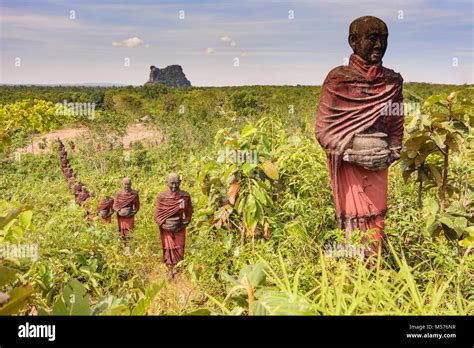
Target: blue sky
x=271, y=47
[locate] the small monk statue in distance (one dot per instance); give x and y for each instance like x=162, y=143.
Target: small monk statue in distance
x=173, y=212
x=126, y=205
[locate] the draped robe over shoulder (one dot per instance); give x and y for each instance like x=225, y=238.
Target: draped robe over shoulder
x=124, y=199
x=106, y=204
x=172, y=204
x=352, y=100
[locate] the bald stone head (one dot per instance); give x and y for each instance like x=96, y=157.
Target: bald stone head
x=127, y=184
x=173, y=180
x=368, y=38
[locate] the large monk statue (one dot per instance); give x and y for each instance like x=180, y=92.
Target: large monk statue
x=104, y=209
x=173, y=213
x=126, y=204
x=360, y=137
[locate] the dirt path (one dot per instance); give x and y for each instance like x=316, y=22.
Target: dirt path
x=135, y=132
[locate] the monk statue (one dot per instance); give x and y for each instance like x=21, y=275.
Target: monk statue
x=173, y=213
x=126, y=205
x=64, y=162
x=104, y=209
x=81, y=194
x=63, y=153
x=68, y=172
x=361, y=140
x=72, y=145
x=71, y=182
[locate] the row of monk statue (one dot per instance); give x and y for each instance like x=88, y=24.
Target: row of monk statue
x=173, y=210
x=360, y=142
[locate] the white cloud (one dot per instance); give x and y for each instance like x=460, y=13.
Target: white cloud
x=228, y=40
x=131, y=42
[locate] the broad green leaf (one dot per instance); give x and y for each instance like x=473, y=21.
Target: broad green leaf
x=470, y=230
x=247, y=167
x=448, y=220
x=247, y=131
x=461, y=127
x=254, y=273
x=270, y=170
x=7, y=275
x=117, y=310
x=434, y=229
x=431, y=205
x=431, y=100
x=143, y=304
x=111, y=305
x=11, y=216
x=436, y=174
x=249, y=214
x=25, y=218
x=74, y=300
x=439, y=139
x=467, y=242
x=18, y=298
x=453, y=144
x=259, y=194
x=266, y=142
x=258, y=308
x=460, y=224
x=282, y=303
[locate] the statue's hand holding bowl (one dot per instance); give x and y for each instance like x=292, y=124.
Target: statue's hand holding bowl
x=368, y=159
x=173, y=224
x=394, y=154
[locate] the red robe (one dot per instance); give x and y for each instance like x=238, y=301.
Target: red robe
x=106, y=204
x=64, y=162
x=68, y=173
x=352, y=99
x=71, y=182
x=125, y=199
x=171, y=204
x=63, y=153
x=81, y=197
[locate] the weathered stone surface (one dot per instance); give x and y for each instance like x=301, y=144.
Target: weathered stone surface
x=172, y=76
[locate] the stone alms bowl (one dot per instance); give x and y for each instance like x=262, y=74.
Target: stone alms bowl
x=366, y=142
x=124, y=212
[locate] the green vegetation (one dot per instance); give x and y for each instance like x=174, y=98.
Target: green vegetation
x=264, y=219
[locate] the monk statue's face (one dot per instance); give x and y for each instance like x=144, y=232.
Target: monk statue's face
x=127, y=185
x=173, y=184
x=368, y=39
